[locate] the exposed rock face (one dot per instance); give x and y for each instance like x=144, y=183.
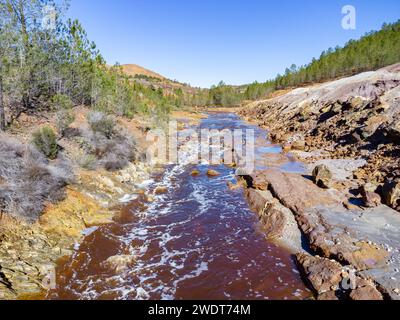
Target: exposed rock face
x=361, y=239
x=352, y=127
x=331, y=281
x=278, y=221
x=355, y=118
x=293, y=190
x=322, y=176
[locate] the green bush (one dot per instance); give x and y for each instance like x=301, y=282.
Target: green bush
x=61, y=102
x=45, y=141
x=101, y=123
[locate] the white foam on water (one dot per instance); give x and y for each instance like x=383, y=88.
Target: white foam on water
x=128, y=198
x=152, y=242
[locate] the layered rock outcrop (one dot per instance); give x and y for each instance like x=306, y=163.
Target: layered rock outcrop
x=361, y=240
x=355, y=118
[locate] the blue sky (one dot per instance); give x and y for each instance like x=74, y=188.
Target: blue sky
x=238, y=41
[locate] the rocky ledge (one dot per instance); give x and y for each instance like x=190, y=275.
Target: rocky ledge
x=343, y=253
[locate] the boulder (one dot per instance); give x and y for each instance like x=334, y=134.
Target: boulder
x=370, y=198
x=279, y=223
x=328, y=296
x=213, y=173
x=294, y=191
x=299, y=145
x=367, y=292
x=371, y=125
x=324, y=275
x=322, y=176
x=287, y=147
x=357, y=102
x=392, y=194
x=161, y=190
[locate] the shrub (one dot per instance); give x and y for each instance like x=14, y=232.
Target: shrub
x=86, y=161
x=113, y=153
x=28, y=181
x=101, y=123
x=61, y=102
x=64, y=118
x=45, y=141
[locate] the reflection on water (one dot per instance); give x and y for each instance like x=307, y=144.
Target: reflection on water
x=197, y=241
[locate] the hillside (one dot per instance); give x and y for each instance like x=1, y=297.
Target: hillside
x=135, y=70
x=152, y=79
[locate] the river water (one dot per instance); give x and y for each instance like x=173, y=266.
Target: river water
x=198, y=241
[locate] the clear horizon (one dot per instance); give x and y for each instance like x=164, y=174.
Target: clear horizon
x=238, y=42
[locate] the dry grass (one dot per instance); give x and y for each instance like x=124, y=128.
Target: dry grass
x=28, y=181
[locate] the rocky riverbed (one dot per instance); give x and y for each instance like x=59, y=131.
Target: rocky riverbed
x=346, y=205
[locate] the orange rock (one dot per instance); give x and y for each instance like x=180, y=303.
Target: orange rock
x=195, y=173
x=286, y=147
x=213, y=173
x=366, y=293
x=161, y=190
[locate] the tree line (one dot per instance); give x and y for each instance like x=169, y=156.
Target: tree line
x=47, y=62
x=376, y=49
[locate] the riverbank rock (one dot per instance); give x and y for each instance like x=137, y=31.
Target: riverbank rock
x=370, y=197
x=363, y=239
x=330, y=280
x=293, y=190
x=366, y=293
x=28, y=252
x=322, y=176
x=278, y=222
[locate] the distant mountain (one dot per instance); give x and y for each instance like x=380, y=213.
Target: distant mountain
x=149, y=78
x=136, y=70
